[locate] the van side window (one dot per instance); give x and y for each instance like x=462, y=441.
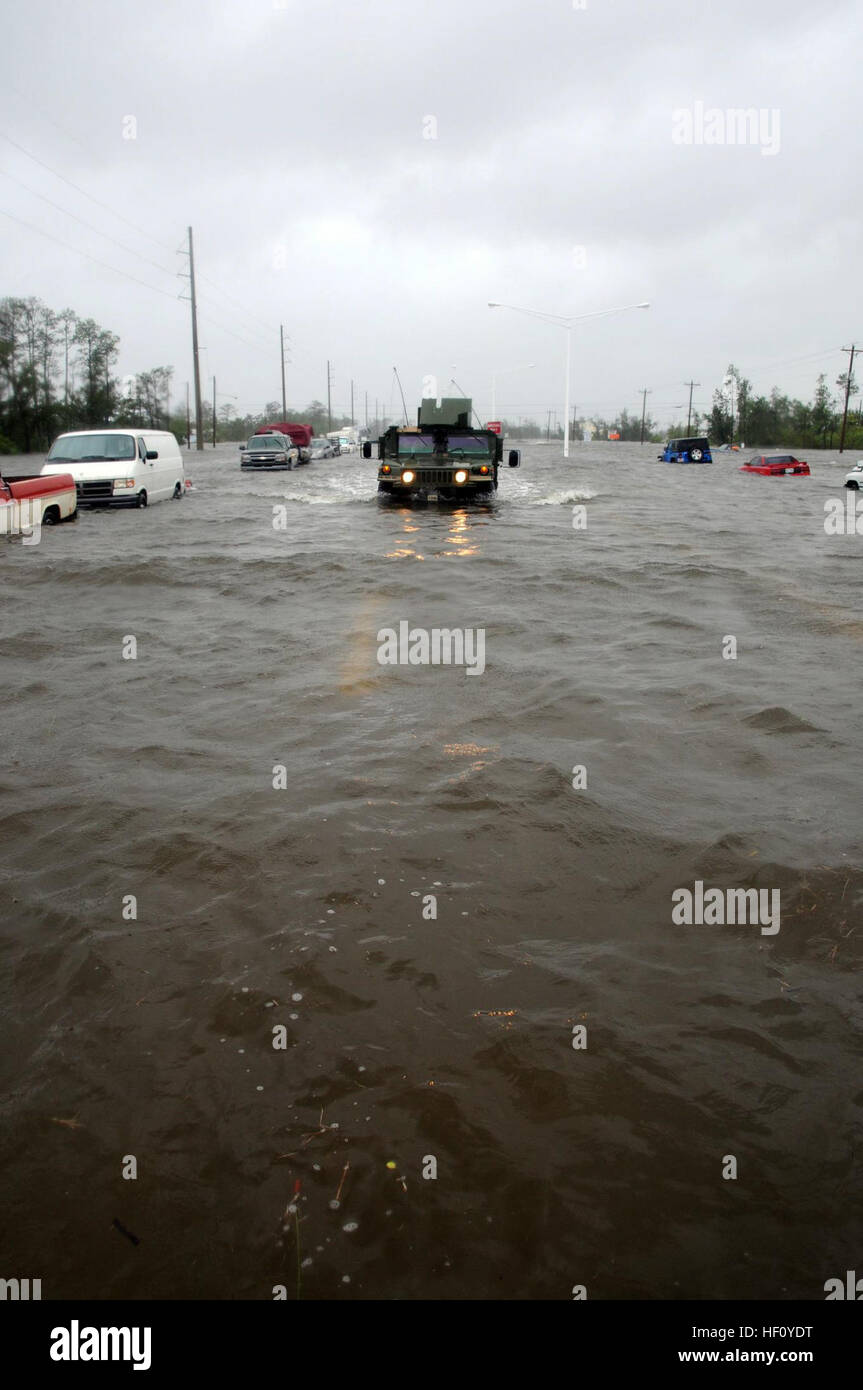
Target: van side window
x=142, y=448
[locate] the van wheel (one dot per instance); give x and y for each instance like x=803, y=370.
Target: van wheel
x=695, y=455
x=141, y=500
x=178, y=492
x=51, y=517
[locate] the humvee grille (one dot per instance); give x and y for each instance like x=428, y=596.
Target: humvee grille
x=434, y=475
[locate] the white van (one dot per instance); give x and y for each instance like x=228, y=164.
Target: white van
x=119, y=467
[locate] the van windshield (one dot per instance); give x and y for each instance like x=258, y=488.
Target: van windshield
x=92, y=448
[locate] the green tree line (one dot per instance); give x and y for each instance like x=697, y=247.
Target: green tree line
x=57, y=373
x=736, y=415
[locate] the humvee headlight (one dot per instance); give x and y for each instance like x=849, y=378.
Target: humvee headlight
x=408, y=476
x=386, y=468
x=461, y=476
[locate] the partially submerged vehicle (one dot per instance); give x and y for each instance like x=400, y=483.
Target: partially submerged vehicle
x=776, y=466
x=322, y=448
x=855, y=477
x=695, y=450
x=119, y=467
x=30, y=501
x=266, y=452
x=300, y=435
x=443, y=458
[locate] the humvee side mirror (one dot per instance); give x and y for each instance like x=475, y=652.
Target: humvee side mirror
x=514, y=458
x=367, y=448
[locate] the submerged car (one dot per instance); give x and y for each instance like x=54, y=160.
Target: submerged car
x=855, y=477
x=687, y=451
x=269, y=451
x=322, y=449
x=775, y=466
x=30, y=501
x=119, y=467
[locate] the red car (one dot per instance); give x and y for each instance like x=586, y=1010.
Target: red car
x=775, y=466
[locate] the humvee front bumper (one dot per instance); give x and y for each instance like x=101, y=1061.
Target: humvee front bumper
x=428, y=482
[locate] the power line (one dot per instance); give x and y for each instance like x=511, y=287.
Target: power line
x=89, y=225
x=105, y=206
x=69, y=247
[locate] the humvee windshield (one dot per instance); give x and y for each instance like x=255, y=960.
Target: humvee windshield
x=468, y=444
x=413, y=444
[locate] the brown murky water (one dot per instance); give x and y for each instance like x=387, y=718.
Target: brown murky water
x=411, y=1037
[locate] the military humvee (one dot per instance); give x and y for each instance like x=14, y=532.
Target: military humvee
x=443, y=458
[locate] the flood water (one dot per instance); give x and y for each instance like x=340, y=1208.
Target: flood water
x=305, y=905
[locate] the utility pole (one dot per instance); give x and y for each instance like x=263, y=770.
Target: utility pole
x=214, y=412
x=848, y=380
x=377, y=417
x=691, y=385
x=284, y=397
x=188, y=420
x=644, y=394
x=199, y=410
x=548, y=428
x=367, y=409
x=329, y=397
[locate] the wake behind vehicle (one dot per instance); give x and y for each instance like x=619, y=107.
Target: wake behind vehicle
x=442, y=458
x=694, y=450
x=775, y=466
x=268, y=452
x=119, y=467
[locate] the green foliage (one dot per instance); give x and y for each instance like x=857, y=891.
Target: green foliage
x=56, y=374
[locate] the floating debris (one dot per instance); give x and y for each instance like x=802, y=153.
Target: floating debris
x=342, y=1183
x=118, y=1226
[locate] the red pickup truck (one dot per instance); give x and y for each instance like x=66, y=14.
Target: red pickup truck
x=31, y=501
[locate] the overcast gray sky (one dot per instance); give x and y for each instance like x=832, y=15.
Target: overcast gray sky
x=294, y=139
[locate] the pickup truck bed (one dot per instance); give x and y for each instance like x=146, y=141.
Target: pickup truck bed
x=31, y=501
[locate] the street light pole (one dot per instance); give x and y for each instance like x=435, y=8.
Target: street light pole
x=284, y=397
x=566, y=401
x=563, y=321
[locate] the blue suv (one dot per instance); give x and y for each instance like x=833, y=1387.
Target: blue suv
x=686, y=451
